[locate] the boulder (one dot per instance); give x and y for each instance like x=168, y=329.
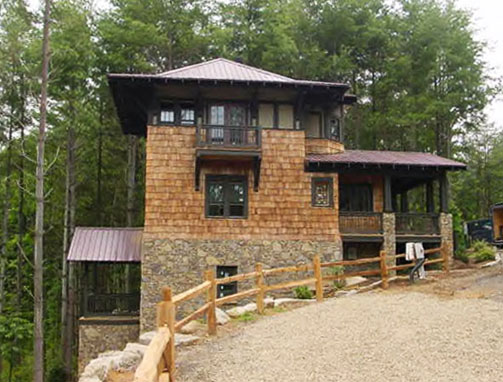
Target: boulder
x=236, y=311
x=89, y=379
x=192, y=327
x=286, y=300
x=268, y=302
x=146, y=338
x=251, y=307
x=350, y=281
x=185, y=339
x=222, y=317
x=98, y=368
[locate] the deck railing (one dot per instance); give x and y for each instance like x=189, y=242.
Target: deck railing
x=229, y=136
x=123, y=304
x=417, y=223
x=360, y=222
x=158, y=364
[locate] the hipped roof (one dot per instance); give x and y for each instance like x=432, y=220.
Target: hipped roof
x=98, y=244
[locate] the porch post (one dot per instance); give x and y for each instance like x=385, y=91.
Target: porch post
x=444, y=193
x=388, y=204
x=430, y=200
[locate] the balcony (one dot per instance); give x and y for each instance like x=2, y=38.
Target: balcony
x=411, y=223
x=361, y=223
x=121, y=304
x=229, y=137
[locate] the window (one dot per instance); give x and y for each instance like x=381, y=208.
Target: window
x=226, y=196
x=322, y=192
x=356, y=197
x=217, y=113
x=334, y=129
x=229, y=288
x=167, y=113
x=187, y=115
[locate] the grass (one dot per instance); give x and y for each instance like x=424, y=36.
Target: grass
x=247, y=317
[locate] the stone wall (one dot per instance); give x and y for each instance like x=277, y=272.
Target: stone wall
x=389, y=238
x=446, y=233
x=98, y=335
x=181, y=263
x=323, y=146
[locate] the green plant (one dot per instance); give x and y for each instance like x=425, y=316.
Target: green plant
x=303, y=292
x=247, y=317
x=279, y=309
x=337, y=271
x=463, y=256
x=482, y=251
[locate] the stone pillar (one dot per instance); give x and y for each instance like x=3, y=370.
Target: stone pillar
x=389, y=238
x=446, y=233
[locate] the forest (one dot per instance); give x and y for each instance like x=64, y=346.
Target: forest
x=416, y=67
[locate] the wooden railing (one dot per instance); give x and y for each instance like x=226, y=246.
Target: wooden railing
x=360, y=222
x=158, y=364
x=112, y=304
x=229, y=136
x=417, y=223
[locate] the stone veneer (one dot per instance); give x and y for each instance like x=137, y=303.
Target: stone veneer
x=389, y=238
x=181, y=263
x=446, y=233
x=101, y=334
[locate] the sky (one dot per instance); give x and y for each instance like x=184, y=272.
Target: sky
x=488, y=27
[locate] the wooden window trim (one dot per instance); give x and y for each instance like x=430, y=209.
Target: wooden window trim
x=226, y=179
x=330, y=181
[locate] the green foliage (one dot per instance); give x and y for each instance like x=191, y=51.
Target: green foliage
x=247, y=317
x=337, y=271
x=303, y=292
x=481, y=251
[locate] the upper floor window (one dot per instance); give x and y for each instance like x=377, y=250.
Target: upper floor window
x=334, y=129
x=187, y=115
x=226, y=196
x=176, y=113
x=167, y=113
x=228, y=114
x=356, y=197
x=322, y=192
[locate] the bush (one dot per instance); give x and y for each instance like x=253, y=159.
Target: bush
x=247, y=317
x=482, y=251
x=336, y=271
x=303, y=292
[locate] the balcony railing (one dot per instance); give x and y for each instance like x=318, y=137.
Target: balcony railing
x=411, y=223
x=229, y=136
x=360, y=222
x=119, y=304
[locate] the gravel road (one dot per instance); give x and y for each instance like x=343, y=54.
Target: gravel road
x=378, y=336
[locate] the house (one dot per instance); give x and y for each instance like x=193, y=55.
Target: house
x=245, y=166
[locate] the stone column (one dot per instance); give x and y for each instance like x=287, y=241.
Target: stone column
x=389, y=238
x=446, y=232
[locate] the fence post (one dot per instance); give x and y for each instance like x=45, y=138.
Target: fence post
x=259, y=284
x=211, y=315
x=317, y=275
x=445, y=256
x=170, y=321
x=384, y=270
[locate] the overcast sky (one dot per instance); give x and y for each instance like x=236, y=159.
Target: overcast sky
x=489, y=27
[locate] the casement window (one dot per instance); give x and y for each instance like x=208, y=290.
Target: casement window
x=322, y=192
x=167, y=114
x=228, y=288
x=226, y=196
x=356, y=197
x=187, y=114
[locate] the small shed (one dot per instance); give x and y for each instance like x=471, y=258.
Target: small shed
x=110, y=258
x=497, y=218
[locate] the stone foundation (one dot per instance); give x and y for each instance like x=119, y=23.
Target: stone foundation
x=389, y=238
x=180, y=263
x=446, y=233
x=101, y=334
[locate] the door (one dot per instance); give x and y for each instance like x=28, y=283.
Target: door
x=232, y=118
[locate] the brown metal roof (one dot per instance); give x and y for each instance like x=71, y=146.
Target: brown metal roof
x=386, y=158
x=221, y=69
x=106, y=244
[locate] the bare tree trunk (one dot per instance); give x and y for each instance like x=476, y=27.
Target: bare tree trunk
x=21, y=216
x=99, y=208
x=68, y=228
x=38, y=278
x=131, y=186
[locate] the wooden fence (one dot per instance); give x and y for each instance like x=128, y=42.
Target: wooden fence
x=158, y=364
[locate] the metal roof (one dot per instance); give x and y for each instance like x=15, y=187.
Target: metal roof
x=106, y=244
x=386, y=158
x=221, y=69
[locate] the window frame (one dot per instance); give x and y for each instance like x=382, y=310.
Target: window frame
x=227, y=289
x=330, y=181
x=176, y=107
x=227, y=180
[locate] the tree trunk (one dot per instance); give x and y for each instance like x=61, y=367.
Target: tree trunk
x=21, y=216
x=99, y=208
x=68, y=228
x=38, y=278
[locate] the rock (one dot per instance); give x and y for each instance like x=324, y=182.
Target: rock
x=222, y=317
x=146, y=337
x=236, y=311
x=89, y=379
x=136, y=348
x=268, y=302
x=282, y=301
x=192, y=327
x=251, y=307
x=185, y=339
x=350, y=281
x=98, y=368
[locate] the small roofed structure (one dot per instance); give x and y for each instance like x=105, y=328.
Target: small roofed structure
x=497, y=220
x=110, y=258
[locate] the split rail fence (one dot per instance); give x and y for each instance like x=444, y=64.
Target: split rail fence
x=158, y=364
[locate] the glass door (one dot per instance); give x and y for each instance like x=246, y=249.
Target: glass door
x=232, y=118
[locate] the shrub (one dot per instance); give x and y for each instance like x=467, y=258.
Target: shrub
x=336, y=271
x=303, y=292
x=482, y=251
x=247, y=317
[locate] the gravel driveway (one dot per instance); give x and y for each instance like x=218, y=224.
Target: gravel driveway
x=379, y=336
